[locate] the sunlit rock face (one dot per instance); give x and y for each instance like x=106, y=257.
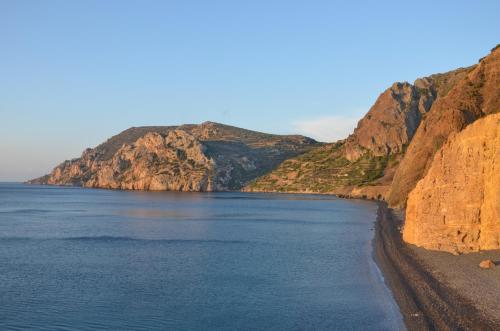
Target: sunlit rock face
x=205, y=157
x=456, y=206
x=155, y=162
x=472, y=96
x=363, y=165
x=392, y=121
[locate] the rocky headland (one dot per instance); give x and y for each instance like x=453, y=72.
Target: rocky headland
x=205, y=157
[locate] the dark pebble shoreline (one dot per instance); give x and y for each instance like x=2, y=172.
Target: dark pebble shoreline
x=424, y=302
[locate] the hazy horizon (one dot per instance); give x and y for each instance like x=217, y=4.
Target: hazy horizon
x=76, y=73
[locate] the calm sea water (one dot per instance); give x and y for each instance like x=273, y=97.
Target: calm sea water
x=82, y=259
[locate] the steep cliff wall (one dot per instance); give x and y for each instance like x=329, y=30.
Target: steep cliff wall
x=456, y=206
x=391, y=122
x=475, y=95
x=363, y=165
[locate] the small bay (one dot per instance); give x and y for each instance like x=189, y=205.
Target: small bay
x=87, y=259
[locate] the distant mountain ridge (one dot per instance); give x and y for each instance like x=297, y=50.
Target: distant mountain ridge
x=205, y=157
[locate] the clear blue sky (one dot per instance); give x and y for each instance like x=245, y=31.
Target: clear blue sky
x=73, y=73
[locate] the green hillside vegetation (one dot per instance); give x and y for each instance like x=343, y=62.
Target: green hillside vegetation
x=322, y=170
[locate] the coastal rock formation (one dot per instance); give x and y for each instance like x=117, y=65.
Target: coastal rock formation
x=155, y=162
x=363, y=165
x=392, y=121
x=456, y=206
x=206, y=157
x=475, y=95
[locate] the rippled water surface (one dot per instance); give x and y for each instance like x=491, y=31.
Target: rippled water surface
x=87, y=259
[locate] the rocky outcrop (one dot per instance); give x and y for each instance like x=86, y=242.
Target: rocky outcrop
x=471, y=97
x=363, y=165
x=174, y=162
x=390, y=124
x=206, y=157
x=456, y=206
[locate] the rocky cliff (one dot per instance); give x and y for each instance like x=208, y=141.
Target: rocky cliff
x=204, y=157
x=363, y=165
x=456, y=206
x=391, y=122
x=473, y=96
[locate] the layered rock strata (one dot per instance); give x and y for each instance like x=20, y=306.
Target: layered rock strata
x=456, y=206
